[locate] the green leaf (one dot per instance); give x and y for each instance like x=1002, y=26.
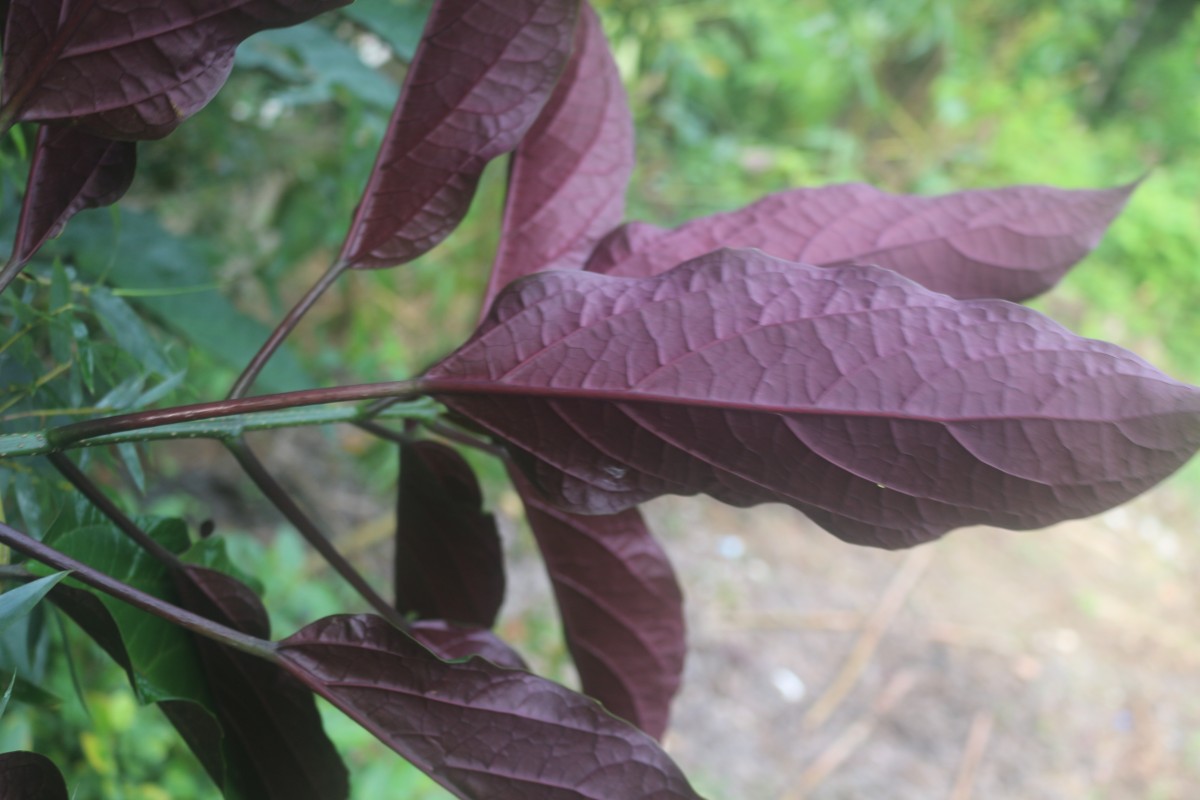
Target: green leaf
x=16, y=603
x=397, y=22
x=165, y=663
x=128, y=330
x=133, y=463
x=7, y=694
x=174, y=280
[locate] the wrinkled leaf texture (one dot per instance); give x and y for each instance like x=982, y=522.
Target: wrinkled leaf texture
x=621, y=606
x=128, y=69
x=478, y=729
x=1010, y=243
x=30, y=776
x=480, y=76
x=70, y=170
x=449, y=564
x=567, y=180
x=887, y=413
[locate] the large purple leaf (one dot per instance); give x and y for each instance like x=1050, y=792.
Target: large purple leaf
x=30, y=776
x=621, y=607
x=129, y=69
x=886, y=412
x=566, y=186
x=70, y=170
x=449, y=564
x=479, y=79
x=478, y=729
x=1011, y=243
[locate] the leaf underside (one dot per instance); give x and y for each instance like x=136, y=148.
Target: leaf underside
x=448, y=562
x=478, y=729
x=1010, y=243
x=567, y=182
x=480, y=76
x=887, y=413
x=621, y=607
x=70, y=170
x=126, y=69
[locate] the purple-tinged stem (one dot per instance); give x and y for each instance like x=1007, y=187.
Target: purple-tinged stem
x=98, y=580
x=283, y=329
x=283, y=501
x=108, y=508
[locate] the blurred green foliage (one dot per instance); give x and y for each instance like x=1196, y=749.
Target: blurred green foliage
x=234, y=215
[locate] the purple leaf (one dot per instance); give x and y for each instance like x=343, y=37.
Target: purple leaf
x=129, y=69
x=479, y=78
x=621, y=607
x=567, y=182
x=622, y=244
x=886, y=412
x=70, y=170
x=451, y=642
x=273, y=734
x=449, y=563
x=1011, y=243
x=30, y=776
x=267, y=739
x=478, y=729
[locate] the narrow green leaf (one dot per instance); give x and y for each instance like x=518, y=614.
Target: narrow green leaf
x=128, y=330
x=7, y=694
x=16, y=603
x=165, y=663
x=133, y=463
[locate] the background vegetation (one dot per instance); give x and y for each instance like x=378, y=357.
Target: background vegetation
x=233, y=215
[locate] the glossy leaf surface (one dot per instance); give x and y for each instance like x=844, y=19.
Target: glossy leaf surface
x=887, y=413
x=479, y=79
x=621, y=607
x=127, y=69
x=30, y=776
x=70, y=170
x=566, y=185
x=1011, y=243
x=449, y=564
x=478, y=729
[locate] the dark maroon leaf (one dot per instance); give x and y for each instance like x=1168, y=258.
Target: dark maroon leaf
x=1012, y=243
x=886, y=412
x=274, y=743
x=267, y=740
x=70, y=170
x=621, y=607
x=479, y=78
x=449, y=564
x=566, y=186
x=478, y=729
x=129, y=69
x=451, y=642
x=30, y=776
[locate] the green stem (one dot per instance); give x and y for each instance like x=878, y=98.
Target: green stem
x=98, y=580
x=38, y=443
x=76, y=432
